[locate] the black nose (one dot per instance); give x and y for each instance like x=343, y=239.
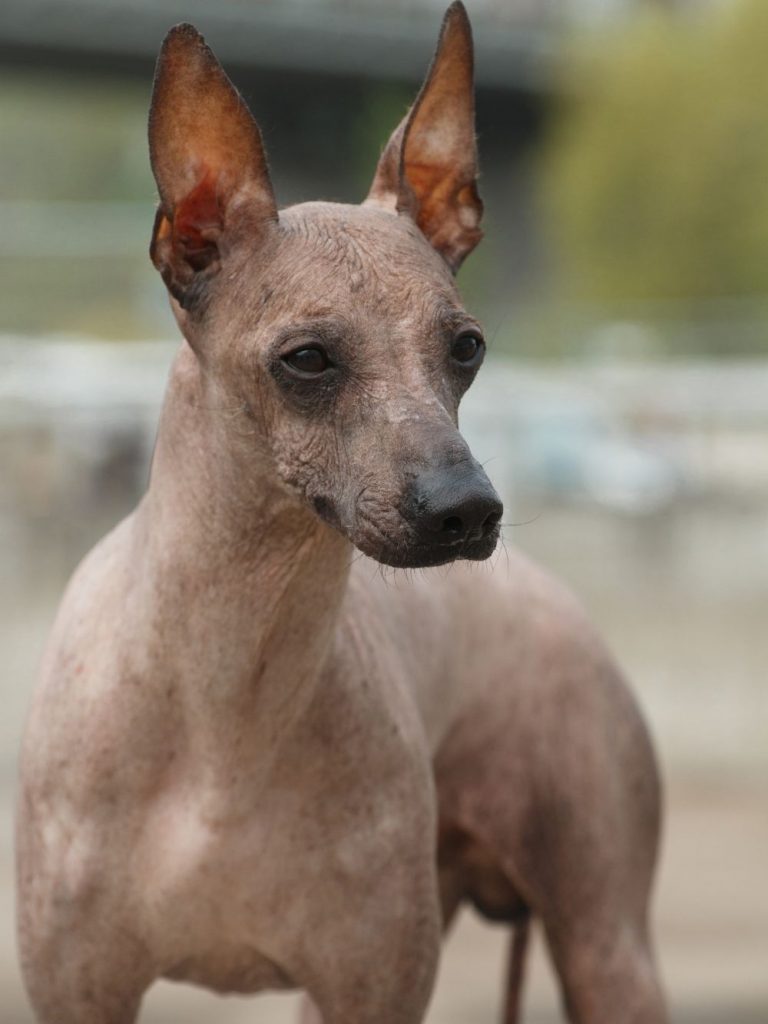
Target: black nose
x=456, y=506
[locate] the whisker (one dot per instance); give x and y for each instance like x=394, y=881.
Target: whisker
x=522, y=522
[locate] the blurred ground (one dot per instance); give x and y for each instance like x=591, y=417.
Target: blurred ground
x=712, y=913
x=680, y=593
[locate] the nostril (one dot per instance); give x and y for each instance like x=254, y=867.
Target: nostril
x=491, y=522
x=452, y=525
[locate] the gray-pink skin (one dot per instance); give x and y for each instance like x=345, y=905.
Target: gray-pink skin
x=256, y=760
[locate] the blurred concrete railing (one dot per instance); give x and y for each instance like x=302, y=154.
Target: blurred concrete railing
x=644, y=486
x=547, y=428
x=515, y=38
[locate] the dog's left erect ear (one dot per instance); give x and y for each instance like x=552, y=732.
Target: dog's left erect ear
x=428, y=169
x=209, y=164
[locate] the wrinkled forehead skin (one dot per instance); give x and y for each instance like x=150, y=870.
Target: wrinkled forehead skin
x=371, y=268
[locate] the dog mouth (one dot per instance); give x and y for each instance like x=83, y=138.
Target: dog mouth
x=388, y=535
x=415, y=555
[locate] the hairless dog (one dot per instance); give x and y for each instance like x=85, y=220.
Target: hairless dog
x=252, y=761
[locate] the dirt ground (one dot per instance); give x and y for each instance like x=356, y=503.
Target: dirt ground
x=693, y=640
x=712, y=927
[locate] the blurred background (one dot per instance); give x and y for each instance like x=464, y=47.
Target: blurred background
x=623, y=283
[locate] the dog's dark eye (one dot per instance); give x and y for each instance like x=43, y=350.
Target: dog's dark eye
x=468, y=349
x=309, y=361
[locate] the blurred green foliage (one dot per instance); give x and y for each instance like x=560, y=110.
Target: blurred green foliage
x=381, y=109
x=77, y=197
x=655, y=175
x=652, y=188
x=69, y=137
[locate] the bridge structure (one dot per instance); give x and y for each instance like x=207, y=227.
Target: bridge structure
x=385, y=39
x=327, y=80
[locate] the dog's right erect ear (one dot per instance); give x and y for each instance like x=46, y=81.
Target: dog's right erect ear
x=428, y=170
x=209, y=164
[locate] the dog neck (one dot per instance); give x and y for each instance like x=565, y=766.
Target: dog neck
x=257, y=577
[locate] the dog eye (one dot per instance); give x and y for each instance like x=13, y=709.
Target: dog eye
x=468, y=349
x=309, y=361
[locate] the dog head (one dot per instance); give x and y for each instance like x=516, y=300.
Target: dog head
x=337, y=330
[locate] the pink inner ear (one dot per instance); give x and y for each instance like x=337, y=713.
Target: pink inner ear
x=197, y=221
